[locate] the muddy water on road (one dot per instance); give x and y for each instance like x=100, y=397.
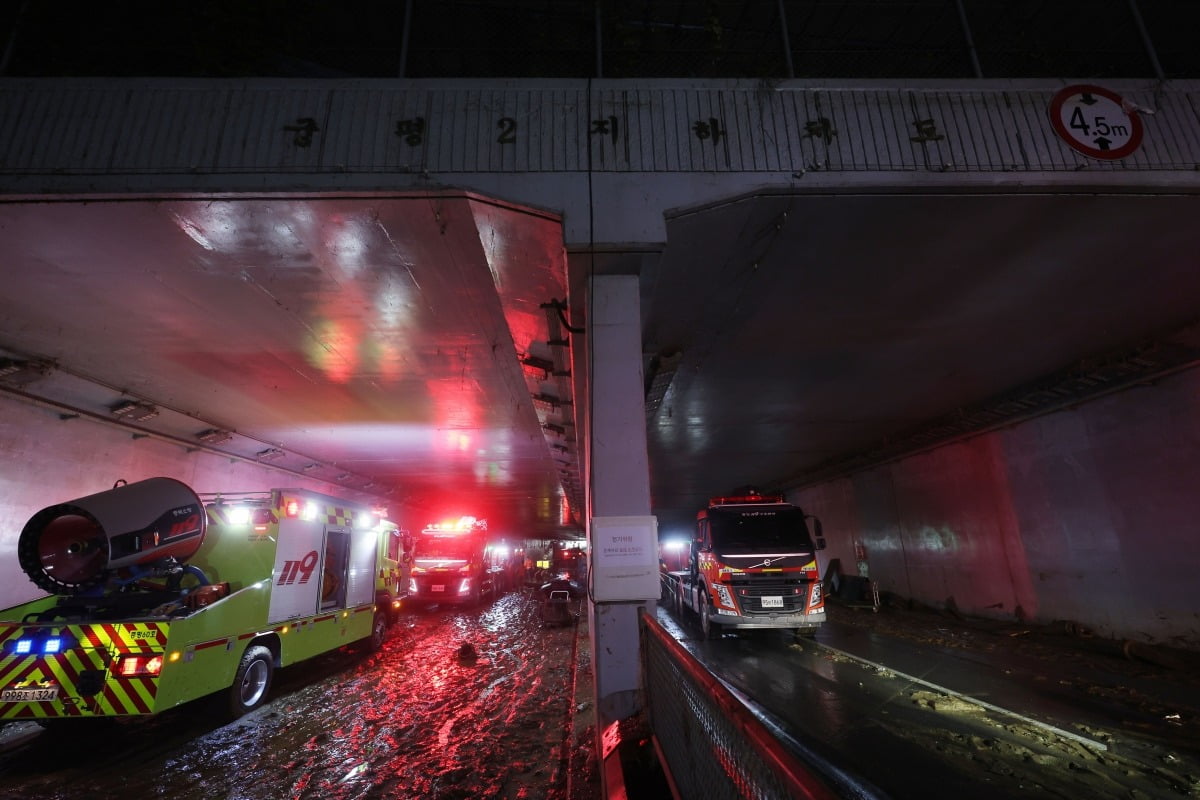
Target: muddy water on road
x=460, y=703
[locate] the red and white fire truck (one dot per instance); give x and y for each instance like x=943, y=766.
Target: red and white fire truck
x=457, y=562
x=751, y=564
x=159, y=596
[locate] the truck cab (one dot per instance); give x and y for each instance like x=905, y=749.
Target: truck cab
x=752, y=564
x=454, y=563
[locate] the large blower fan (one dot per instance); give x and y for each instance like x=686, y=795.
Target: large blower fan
x=71, y=547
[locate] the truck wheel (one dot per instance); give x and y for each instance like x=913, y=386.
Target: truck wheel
x=706, y=624
x=374, y=642
x=253, y=680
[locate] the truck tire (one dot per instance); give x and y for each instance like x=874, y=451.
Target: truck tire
x=707, y=630
x=379, y=628
x=252, y=682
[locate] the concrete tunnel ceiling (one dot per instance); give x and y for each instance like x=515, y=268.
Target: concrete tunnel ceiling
x=398, y=343
x=808, y=335
x=374, y=342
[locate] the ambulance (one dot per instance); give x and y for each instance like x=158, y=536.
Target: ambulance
x=159, y=596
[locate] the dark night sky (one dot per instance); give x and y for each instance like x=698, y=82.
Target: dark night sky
x=557, y=38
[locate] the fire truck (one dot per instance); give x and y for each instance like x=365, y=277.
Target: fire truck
x=751, y=564
x=457, y=562
x=159, y=596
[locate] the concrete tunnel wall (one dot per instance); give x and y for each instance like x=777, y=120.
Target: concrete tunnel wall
x=1087, y=515
x=48, y=461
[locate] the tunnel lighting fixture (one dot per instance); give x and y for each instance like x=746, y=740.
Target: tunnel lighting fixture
x=270, y=454
x=16, y=370
x=310, y=467
x=214, y=436
x=134, y=410
x=550, y=400
x=550, y=427
x=538, y=364
x=344, y=476
x=10, y=366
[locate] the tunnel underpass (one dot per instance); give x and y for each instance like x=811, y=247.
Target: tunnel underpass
x=958, y=339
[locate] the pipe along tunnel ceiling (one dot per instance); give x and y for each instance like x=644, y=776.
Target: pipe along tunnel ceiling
x=412, y=348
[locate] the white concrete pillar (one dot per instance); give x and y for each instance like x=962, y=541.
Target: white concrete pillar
x=619, y=494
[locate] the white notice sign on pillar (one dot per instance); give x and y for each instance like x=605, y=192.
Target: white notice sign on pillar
x=625, y=558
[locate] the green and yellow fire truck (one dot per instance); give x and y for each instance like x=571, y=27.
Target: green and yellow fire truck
x=159, y=596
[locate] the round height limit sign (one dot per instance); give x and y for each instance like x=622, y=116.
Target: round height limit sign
x=1096, y=122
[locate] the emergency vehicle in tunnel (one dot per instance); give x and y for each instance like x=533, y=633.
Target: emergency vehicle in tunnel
x=752, y=563
x=159, y=596
x=458, y=562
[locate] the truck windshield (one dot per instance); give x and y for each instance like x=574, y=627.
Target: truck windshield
x=759, y=530
x=457, y=547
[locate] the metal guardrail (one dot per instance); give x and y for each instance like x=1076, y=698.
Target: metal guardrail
x=712, y=746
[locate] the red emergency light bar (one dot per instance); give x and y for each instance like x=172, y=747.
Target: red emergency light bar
x=461, y=525
x=745, y=499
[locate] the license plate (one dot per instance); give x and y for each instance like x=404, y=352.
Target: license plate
x=437, y=587
x=29, y=695
x=772, y=602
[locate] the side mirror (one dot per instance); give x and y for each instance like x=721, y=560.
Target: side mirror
x=818, y=533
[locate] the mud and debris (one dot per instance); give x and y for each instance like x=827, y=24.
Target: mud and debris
x=1148, y=745
x=1154, y=689
x=485, y=702
x=459, y=703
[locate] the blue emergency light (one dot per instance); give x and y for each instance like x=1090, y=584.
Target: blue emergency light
x=48, y=646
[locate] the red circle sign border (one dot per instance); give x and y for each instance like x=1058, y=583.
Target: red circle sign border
x=1135, y=136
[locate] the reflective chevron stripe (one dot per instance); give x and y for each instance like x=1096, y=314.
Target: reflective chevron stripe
x=82, y=666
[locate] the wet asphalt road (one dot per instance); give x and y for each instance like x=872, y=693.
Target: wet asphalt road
x=420, y=720
x=884, y=735
x=460, y=703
